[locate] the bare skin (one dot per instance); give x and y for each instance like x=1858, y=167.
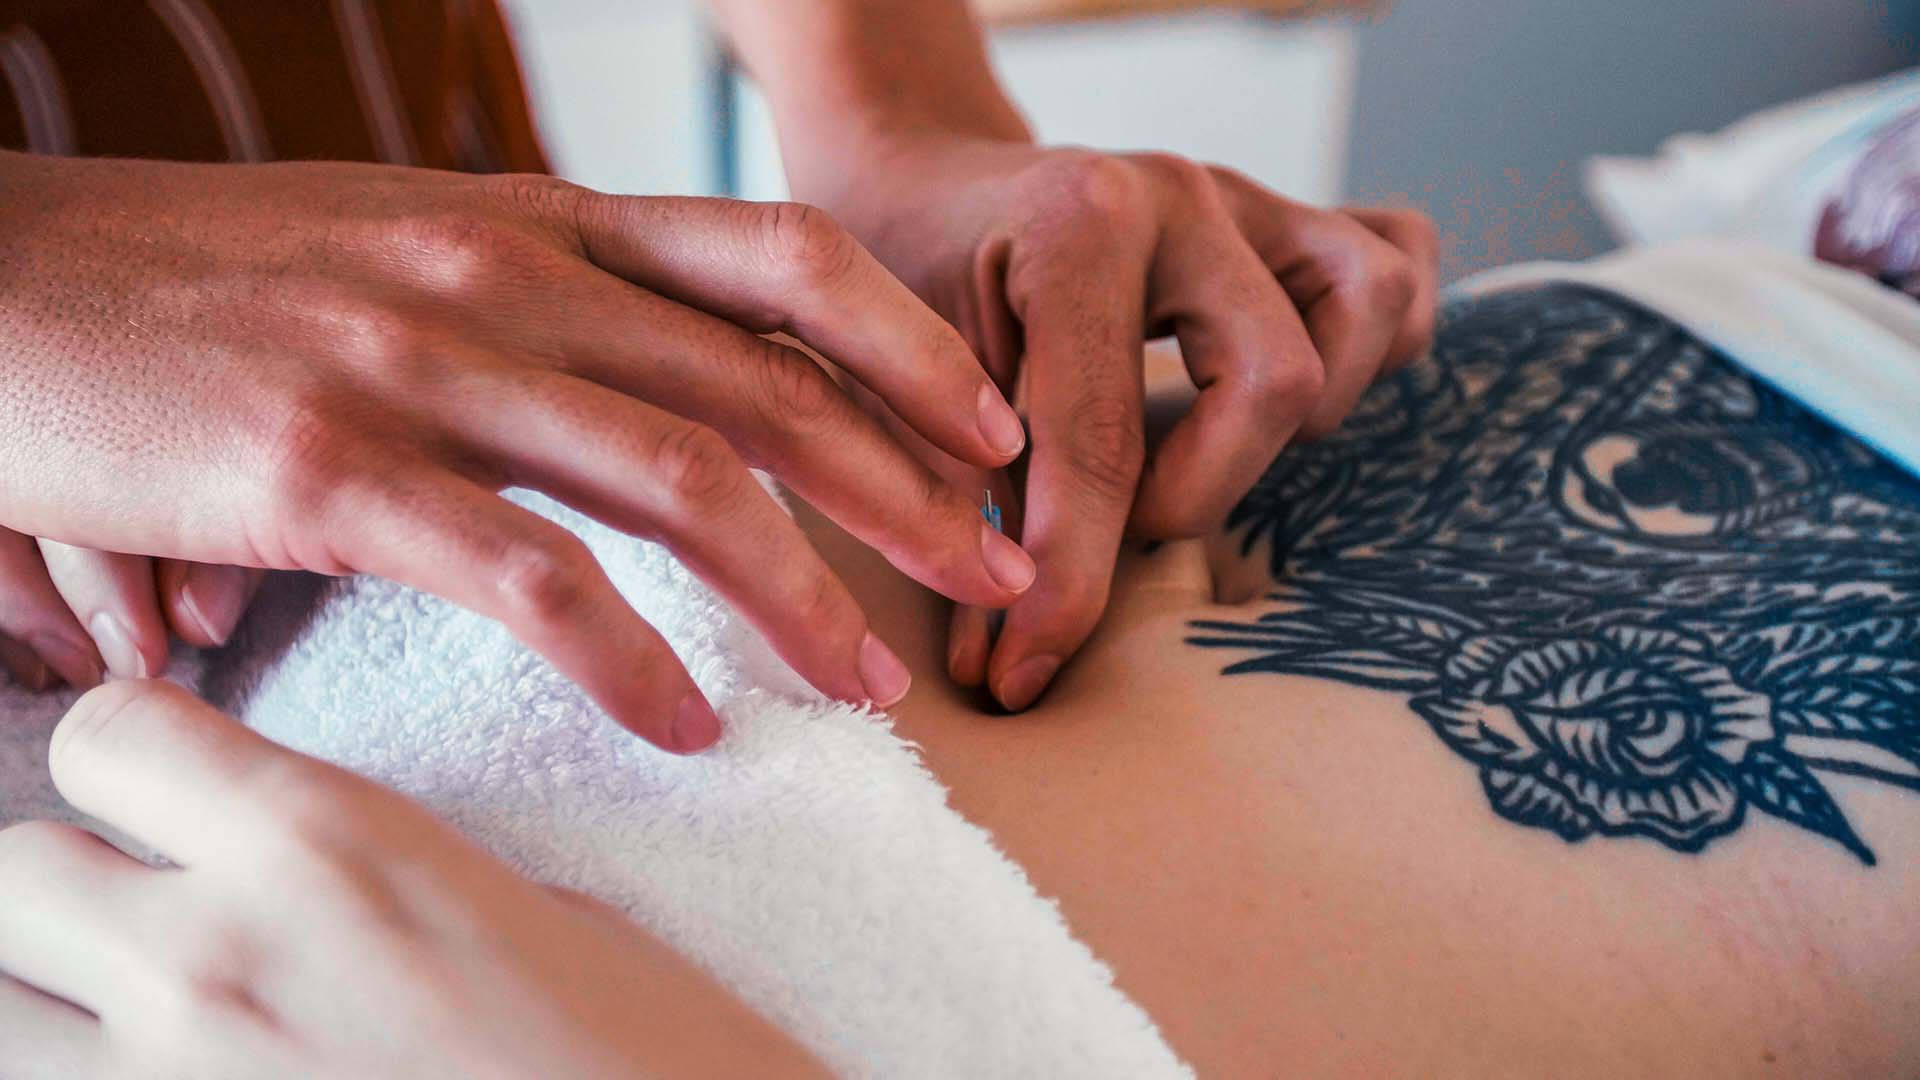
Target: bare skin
x=336, y=367
x=1292, y=877
x=1055, y=262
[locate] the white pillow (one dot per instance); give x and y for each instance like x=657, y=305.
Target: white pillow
x=1764, y=178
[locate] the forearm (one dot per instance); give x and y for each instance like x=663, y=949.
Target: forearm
x=845, y=76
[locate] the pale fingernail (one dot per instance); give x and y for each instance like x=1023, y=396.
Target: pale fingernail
x=116, y=646
x=1007, y=562
x=884, y=676
x=214, y=596
x=695, y=725
x=999, y=424
x=1024, y=684
x=74, y=662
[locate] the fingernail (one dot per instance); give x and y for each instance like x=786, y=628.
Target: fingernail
x=999, y=424
x=884, y=676
x=73, y=660
x=214, y=596
x=116, y=646
x=695, y=725
x=1007, y=562
x=1026, y=681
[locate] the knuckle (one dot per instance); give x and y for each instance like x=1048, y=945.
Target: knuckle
x=544, y=579
x=208, y=960
x=1392, y=283
x=1106, y=446
x=791, y=394
x=538, y=197
x=1374, y=277
x=1185, y=176
x=696, y=469
x=1412, y=226
x=1077, y=601
x=1096, y=186
x=368, y=333
x=309, y=456
x=806, y=243
x=300, y=803
x=1290, y=386
x=826, y=605
x=463, y=251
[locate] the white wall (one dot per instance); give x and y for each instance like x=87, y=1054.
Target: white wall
x=623, y=93
x=620, y=91
x=1482, y=110
x=1270, y=98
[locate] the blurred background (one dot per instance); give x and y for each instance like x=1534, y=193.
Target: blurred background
x=1480, y=112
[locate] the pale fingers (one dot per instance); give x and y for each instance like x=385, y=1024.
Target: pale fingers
x=44, y=1038
x=158, y=764
x=34, y=615
x=114, y=596
x=67, y=926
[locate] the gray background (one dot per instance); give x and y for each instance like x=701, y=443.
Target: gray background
x=1480, y=111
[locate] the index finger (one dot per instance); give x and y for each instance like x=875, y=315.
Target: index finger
x=162, y=766
x=788, y=268
x=1082, y=312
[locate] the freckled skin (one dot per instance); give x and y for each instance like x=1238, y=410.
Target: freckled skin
x=336, y=367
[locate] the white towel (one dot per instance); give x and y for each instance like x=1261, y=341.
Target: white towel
x=809, y=861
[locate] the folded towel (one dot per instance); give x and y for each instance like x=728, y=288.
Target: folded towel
x=809, y=861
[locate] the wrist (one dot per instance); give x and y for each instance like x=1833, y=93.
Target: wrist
x=887, y=145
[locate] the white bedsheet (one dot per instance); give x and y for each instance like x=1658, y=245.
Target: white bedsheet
x=1840, y=343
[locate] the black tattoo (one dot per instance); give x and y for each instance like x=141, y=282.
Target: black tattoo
x=1639, y=591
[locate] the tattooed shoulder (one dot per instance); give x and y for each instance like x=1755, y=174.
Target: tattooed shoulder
x=1642, y=594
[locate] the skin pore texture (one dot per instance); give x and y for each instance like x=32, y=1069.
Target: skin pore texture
x=1536, y=761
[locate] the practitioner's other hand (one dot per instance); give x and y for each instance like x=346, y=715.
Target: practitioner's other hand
x=337, y=367
x=74, y=615
x=316, y=924
x=1056, y=264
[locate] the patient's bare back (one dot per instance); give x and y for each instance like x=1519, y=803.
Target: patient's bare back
x=1574, y=730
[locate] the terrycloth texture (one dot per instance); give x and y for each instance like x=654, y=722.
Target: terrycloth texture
x=810, y=861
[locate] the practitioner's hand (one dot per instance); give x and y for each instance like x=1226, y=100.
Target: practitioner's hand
x=336, y=367
x=317, y=925
x=73, y=615
x=1056, y=264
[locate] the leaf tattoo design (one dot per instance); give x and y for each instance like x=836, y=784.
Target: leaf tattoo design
x=1641, y=593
